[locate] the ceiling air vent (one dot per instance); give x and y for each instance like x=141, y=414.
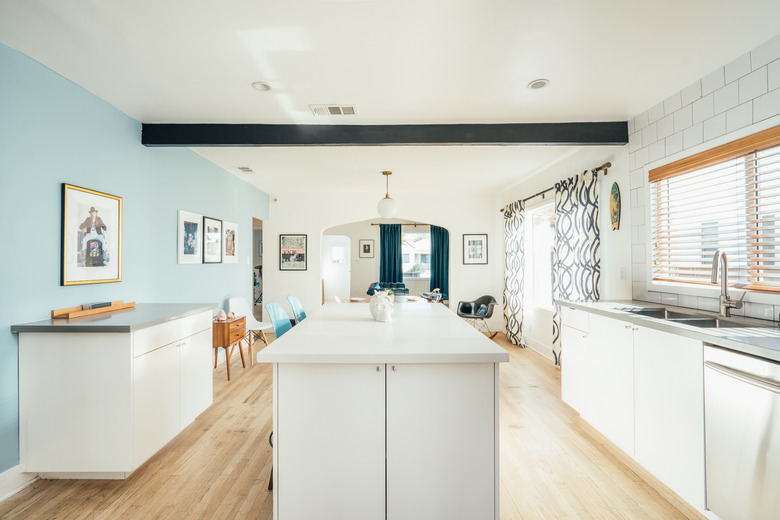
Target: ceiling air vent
x=333, y=110
x=245, y=169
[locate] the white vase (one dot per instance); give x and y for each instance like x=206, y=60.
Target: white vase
x=381, y=306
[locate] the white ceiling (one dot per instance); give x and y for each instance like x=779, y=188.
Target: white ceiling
x=400, y=61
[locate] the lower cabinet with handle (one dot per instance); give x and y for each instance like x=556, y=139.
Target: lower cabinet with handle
x=395, y=441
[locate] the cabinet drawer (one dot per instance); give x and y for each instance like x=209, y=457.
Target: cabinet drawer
x=574, y=318
x=236, y=326
x=146, y=340
x=236, y=336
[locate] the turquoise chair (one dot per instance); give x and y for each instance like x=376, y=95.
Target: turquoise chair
x=279, y=319
x=297, y=308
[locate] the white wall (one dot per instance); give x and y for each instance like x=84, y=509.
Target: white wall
x=312, y=213
x=738, y=99
x=615, y=244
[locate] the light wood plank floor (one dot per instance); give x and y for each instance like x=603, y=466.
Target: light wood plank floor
x=553, y=465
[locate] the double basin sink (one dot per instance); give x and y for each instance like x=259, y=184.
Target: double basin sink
x=696, y=320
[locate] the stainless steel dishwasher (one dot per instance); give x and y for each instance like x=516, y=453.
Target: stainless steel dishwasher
x=742, y=435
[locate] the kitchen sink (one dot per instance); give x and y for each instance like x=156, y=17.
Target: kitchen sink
x=695, y=320
x=707, y=322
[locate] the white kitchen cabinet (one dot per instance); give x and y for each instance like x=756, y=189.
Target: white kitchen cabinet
x=669, y=411
x=441, y=441
x=574, y=359
x=611, y=380
x=333, y=414
x=435, y=424
x=98, y=397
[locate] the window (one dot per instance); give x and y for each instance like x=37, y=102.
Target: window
x=416, y=253
x=540, y=233
x=727, y=198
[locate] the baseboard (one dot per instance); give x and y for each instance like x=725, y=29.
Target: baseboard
x=539, y=347
x=100, y=475
x=14, y=480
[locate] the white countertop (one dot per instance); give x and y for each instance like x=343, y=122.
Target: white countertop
x=142, y=316
x=759, y=338
x=419, y=333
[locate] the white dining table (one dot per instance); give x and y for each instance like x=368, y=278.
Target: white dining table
x=395, y=420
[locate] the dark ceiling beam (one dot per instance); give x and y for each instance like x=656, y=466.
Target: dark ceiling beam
x=209, y=135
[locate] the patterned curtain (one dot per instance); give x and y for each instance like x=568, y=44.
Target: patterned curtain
x=440, y=260
x=390, y=265
x=514, y=263
x=576, y=246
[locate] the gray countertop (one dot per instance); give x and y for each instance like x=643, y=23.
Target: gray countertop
x=142, y=316
x=757, y=337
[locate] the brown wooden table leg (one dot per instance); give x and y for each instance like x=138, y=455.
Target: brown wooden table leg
x=228, y=351
x=251, y=354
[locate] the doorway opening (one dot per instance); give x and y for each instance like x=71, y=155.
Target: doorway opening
x=336, y=267
x=257, y=270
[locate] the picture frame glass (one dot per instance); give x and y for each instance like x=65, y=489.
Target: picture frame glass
x=91, y=236
x=475, y=249
x=366, y=248
x=229, y=242
x=212, y=240
x=292, y=253
x=190, y=240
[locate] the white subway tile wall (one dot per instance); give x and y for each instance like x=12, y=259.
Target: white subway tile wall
x=743, y=92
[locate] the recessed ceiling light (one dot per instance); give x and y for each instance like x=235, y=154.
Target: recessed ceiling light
x=261, y=86
x=538, y=83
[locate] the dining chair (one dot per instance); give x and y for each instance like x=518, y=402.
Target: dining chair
x=297, y=308
x=254, y=328
x=279, y=319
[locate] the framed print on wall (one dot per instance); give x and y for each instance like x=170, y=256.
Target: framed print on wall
x=229, y=244
x=366, y=248
x=475, y=249
x=292, y=252
x=91, y=236
x=212, y=240
x=190, y=245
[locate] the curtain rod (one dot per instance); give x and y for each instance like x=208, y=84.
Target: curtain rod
x=604, y=167
x=415, y=224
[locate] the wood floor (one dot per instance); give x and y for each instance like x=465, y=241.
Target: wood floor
x=553, y=465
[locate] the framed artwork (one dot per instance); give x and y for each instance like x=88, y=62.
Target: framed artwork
x=366, y=248
x=614, y=205
x=475, y=249
x=212, y=240
x=91, y=236
x=190, y=238
x=292, y=252
x=229, y=244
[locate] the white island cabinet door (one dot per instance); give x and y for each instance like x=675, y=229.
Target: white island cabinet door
x=195, y=376
x=155, y=401
x=330, y=441
x=441, y=441
x=669, y=401
x=611, y=380
x=574, y=369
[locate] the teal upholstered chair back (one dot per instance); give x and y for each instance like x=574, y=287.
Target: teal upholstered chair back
x=279, y=318
x=297, y=308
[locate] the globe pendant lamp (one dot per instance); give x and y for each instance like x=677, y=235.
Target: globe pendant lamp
x=387, y=207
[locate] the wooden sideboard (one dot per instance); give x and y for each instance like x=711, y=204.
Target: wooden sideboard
x=225, y=334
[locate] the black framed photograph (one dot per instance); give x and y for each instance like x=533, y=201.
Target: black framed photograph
x=190, y=243
x=366, y=248
x=229, y=242
x=91, y=236
x=212, y=240
x=292, y=253
x=475, y=249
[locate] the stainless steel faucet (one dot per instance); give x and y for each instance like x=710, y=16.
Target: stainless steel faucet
x=725, y=303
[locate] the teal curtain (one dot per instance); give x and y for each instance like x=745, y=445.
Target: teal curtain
x=440, y=260
x=390, y=269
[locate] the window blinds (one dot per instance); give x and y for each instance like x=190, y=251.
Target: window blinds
x=727, y=198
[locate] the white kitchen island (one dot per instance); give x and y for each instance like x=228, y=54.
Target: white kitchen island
x=385, y=420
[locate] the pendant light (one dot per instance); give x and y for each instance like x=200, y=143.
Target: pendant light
x=387, y=207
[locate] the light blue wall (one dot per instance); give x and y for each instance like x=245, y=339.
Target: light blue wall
x=53, y=131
